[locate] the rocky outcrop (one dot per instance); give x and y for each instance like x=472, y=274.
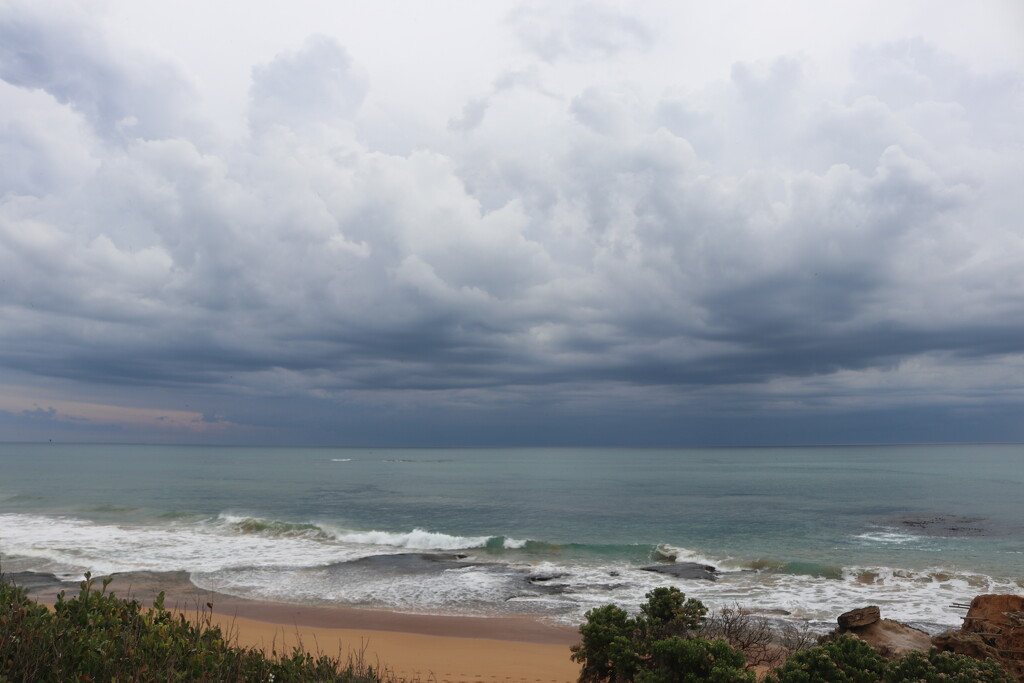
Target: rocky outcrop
x=970, y=644
x=993, y=628
x=890, y=638
x=685, y=570
x=864, y=616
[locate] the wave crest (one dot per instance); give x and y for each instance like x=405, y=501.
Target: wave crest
x=679, y=554
x=273, y=527
x=417, y=539
x=423, y=539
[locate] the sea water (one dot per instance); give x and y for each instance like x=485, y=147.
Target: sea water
x=806, y=533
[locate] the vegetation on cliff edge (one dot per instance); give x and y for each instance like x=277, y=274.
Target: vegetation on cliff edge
x=666, y=643
x=95, y=636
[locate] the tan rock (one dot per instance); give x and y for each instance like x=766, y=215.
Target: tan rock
x=859, y=617
x=969, y=644
x=891, y=639
x=993, y=628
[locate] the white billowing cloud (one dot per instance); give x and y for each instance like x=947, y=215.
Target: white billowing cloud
x=607, y=111
x=578, y=30
x=122, y=93
x=474, y=111
x=769, y=238
x=46, y=148
x=472, y=115
x=315, y=84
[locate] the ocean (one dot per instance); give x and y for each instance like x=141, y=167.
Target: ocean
x=797, y=533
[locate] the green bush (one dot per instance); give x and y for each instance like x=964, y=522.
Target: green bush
x=946, y=667
x=694, y=660
x=656, y=646
x=661, y=645
x=95, y=636
x=850, y=660
x=844, y=660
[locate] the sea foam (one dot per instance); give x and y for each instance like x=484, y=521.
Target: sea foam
x=261, y=558
x=678, y=554
x=69, y=546
x=417, y=539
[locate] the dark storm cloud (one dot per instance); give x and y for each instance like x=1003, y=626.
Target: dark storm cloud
x=586, y=255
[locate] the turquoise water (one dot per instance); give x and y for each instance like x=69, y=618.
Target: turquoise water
x=812, y=531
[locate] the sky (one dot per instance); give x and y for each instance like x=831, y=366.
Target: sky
x=511, y=223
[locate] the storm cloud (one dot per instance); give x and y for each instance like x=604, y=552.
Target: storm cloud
x=778, y=252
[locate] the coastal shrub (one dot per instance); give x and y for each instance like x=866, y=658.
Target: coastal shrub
x=851, y=660
x=659, y=645
x=694, y=660
x=945, y=667
x=21, y=620
x=844, y=660
x=95, y=636
x=668, y=612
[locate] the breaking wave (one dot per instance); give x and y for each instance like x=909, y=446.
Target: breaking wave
x=258, y=557
x=417, y=539
x=674, y=553
x=272, y=527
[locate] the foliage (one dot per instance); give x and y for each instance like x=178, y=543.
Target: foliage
x=95, y=636
x=670, y=613
x=844, y=660
x=946, y=667
x=694, y=660
x=607, y=648
x=656, y=646
x=850, y=660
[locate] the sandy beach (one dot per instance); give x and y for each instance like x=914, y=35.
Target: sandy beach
x=416, y=656
x=452, y=649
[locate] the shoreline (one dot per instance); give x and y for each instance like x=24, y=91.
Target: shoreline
x=441, y=648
